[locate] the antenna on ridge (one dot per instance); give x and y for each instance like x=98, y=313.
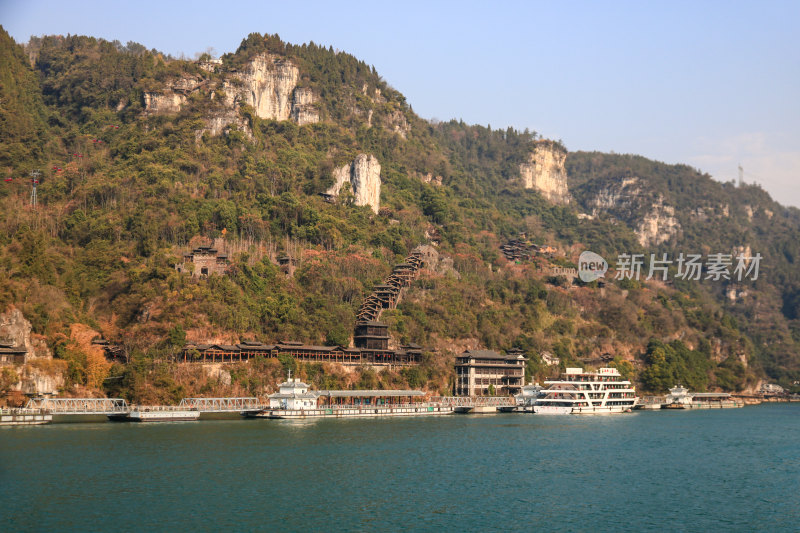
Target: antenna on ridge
x=34, y=182
x=741, y=175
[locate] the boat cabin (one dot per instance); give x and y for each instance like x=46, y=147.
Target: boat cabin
x=293, y=394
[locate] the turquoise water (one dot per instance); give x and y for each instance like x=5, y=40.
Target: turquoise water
x=721, y=470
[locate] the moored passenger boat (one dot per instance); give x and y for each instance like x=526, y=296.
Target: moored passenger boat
x=295, y=400
x=162, y=414
x=579, y=392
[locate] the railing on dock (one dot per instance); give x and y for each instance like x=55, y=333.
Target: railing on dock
x=221, y=405
x=651, y=400
x=474, y=401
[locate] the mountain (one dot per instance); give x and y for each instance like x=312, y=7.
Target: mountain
x=300, y=151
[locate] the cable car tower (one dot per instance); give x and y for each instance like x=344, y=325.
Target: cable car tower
x=34, y=183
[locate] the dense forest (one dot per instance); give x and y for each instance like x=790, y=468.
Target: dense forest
x=124, y=193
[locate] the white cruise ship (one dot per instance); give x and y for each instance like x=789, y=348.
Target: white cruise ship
x=579, y=392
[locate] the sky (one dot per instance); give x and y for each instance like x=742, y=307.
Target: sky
x=712, y=84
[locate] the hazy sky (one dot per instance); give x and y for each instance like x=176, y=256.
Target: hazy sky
x=709, y=84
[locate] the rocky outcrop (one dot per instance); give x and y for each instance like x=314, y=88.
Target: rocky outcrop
x=396, y=122
x=16, y=330
x=218, y=373
x=544, y=171
x=621, y=194
x=210, y=65
x=37, y=379
x=627, y=199
x=429, y=178
x=172, y=98
x=166, y=102
x=364, y=177
x=39, y=373
x=435, y=262
x=220, y=121
x=267, y=84
x=658, y=225
x=303, y=109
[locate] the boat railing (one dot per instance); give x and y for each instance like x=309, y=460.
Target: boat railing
x=16, y=411
x=162, y=408
x=378, y=406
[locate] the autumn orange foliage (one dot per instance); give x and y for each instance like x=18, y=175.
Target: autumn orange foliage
x=97, y=367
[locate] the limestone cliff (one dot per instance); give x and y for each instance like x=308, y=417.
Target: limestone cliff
x=627, y=199
x=364, y=176
x=658, y=225
x=268, y=84
x=41, y=377
x=303, y=109
x=544, y=171
x=397, y=123
x=429, y=178
x=622, y=194
x=16, y=330
x=39, y=374
x=172, y=97
x=221, y=120
x=163, y=102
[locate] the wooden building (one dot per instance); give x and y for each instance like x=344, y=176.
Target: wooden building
x=11, y=354
x=371, y=335
x=476, y=370
x=204, y=261
x=410, y=354
x=287, y=264
x=113, y=352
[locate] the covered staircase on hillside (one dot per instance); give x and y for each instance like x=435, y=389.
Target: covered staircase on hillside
x=387, y=294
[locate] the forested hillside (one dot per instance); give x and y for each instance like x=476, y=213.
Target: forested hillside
x=144, y=157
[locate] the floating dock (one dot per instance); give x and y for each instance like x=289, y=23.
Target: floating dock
x=680, y=398
x=24, y=417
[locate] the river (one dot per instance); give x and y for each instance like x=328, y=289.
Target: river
x=712, y=470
